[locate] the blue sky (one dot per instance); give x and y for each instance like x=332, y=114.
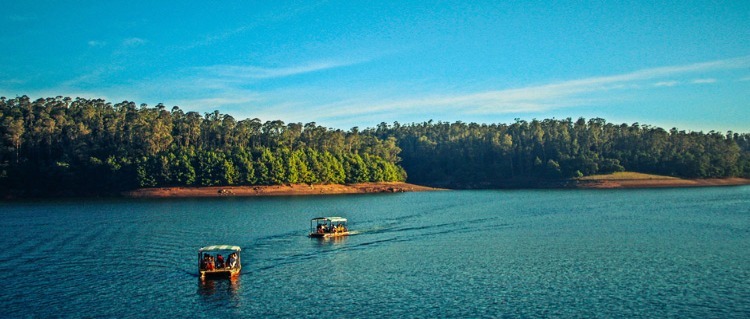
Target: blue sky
x=683, y=64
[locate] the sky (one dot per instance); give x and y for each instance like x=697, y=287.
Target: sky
x=341, y=64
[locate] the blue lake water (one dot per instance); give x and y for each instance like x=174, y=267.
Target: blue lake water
x=681, y=253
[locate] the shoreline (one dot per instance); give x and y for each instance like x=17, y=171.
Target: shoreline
x=276, y=190
x=660, y=183
x=652, y=181
x=641, y=180
x=627, y=180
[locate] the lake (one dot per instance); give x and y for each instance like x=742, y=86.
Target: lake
x=679, y=253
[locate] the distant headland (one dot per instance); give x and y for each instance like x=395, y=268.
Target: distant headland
x=639, y=180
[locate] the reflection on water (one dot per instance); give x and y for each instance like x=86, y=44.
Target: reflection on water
x=226, y=286
x=220, y=293
x=329, y=241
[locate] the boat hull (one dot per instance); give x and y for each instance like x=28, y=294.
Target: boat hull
x=328, y=235
x=220, y=273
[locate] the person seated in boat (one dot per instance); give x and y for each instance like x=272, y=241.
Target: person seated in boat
x=232, y=260
x=210, y=263
x=321, y=229
x=204, y=262
x=219, y=261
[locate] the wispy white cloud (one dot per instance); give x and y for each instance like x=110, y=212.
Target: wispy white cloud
x=704, y=81
x=13, y=81
x=224, y=87
x=273, y=17
x=117, y=62
x=219, y=36
x=92, y=77
x=237, y=72
x=666, y=83
x=97, y=44
x=132, y=42
x=535, y=98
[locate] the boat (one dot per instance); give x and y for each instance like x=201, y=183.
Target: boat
x=212, y=264
x=328, y=227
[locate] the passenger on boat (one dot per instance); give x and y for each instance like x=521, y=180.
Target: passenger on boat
x=232, y=260
x=321, y=229
x=210, y=263
x=204, y=262
x=219, y=261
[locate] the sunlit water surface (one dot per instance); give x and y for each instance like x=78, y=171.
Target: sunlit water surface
x=529, y=253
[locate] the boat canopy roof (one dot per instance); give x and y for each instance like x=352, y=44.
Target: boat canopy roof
x=219, y=247
x=332, y=219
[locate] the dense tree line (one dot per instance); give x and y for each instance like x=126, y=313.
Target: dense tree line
x=82, y=146
x=523, y=153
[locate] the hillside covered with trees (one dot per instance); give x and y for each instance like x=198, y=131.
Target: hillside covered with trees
x=65, y=146
x=82, y=146
x=525, y=153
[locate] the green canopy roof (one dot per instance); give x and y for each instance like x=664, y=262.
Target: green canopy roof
x=219, y=247
x=333, y=219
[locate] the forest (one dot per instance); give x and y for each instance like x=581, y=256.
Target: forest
x=65, y=146
x=525, y=154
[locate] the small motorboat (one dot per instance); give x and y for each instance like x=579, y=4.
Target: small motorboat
x=328, y=227
x=211, y=263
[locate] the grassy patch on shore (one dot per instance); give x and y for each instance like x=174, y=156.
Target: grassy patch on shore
x=626, y=176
